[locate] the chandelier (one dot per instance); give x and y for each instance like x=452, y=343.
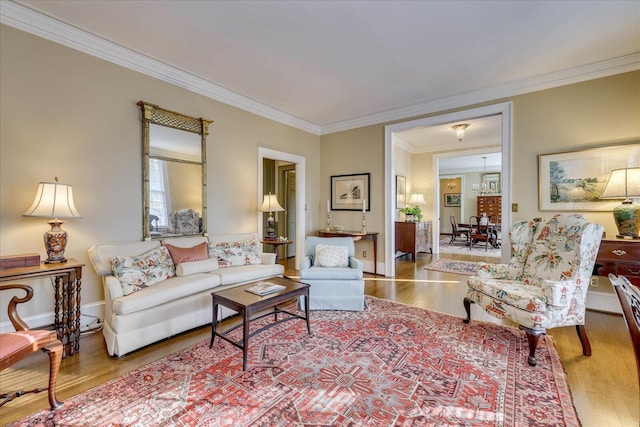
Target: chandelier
x=451, y=184
x=482, y=186
x=460, y=130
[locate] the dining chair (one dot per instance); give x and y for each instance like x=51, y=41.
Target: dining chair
x=629, y=297
x=479, y=232
x=457, y=231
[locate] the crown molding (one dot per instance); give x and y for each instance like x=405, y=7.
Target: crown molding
x=28, y=20
x=596, y=70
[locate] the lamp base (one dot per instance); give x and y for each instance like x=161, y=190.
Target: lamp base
x=627, y=217
x=55, y=242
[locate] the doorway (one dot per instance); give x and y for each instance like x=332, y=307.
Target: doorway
x=298, y=165
x=504, y=110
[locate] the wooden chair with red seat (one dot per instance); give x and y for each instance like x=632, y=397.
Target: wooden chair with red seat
x=15, y=346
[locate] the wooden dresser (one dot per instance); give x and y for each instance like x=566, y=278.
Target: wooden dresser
x=492, y=206
x=413, y=237
x=620, y=257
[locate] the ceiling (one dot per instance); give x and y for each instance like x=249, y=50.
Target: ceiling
x=325, y=66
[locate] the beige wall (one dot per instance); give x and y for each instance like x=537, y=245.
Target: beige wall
x=74, y=116
x=70, y=115
x=595, y=113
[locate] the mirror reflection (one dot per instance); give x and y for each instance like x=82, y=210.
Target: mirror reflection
x=174, y=173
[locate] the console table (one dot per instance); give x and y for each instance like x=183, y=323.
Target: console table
x=67, y=281
x=357, y=236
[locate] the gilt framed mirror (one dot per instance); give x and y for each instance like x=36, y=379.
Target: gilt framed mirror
x=174, y=173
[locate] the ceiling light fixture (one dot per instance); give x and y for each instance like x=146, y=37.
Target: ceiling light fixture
x=460, y=130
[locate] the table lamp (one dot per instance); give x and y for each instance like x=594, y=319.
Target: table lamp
x=623, y=184
x=270, y=204
x=54, y=200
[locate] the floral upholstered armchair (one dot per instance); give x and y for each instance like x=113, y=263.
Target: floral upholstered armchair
x=333, y=273
x=545, y=283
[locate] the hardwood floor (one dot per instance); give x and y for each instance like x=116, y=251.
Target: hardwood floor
x=604, y=386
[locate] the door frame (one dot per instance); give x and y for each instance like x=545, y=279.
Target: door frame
x=505, y=110
x=300, y=167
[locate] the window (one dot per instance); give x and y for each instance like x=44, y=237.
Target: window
x=159, y=198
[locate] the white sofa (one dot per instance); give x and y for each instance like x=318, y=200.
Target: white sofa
x=173, y=305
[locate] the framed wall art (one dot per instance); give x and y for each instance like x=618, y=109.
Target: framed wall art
x=452, y=199
x=350, y=192
x=574, y=181
x=401, y=191
x=492, y=179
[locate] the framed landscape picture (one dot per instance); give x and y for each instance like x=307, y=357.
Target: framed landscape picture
x=574, y=181
x=401, y=191
x=350, y=192
x=452, y=199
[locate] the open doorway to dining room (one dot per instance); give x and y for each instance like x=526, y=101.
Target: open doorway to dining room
x=426, y=169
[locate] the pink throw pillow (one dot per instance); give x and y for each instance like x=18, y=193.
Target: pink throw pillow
x=195, y=253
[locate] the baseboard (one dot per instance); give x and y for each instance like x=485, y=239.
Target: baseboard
x=603, y=301
x=88, y=315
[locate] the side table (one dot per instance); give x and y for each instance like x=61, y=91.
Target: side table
x=67, y=282
x=373, y=236
x=276, y=244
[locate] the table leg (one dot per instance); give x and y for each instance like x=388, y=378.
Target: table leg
x=375, y=254
x=306, y=310
x=246, y=316
x=78, y=314
x=214, y=322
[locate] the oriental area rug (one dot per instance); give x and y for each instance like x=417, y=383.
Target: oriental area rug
x=458, y=247
x=466, y=268
x=391, y=365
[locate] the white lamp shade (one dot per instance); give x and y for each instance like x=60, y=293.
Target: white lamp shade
x=53, y=200
x=622, y=183
x=270, y=204
x=417, y=199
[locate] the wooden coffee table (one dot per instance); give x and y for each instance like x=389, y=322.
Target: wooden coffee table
x=247, y=304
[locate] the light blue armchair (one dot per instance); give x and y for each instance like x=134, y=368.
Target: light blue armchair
x=334, y=275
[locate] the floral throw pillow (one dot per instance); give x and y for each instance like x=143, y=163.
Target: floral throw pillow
x=231, y=254
x=331, y=256
x=138, y=272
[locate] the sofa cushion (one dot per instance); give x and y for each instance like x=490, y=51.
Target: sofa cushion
x=237, y=253
x=194, y=267
x=138, y=272
x=331, y=256
x=164, y=292
x=194, y=253
x=515, y=293
x=248, y=273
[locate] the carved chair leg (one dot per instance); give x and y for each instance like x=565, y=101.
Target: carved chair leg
x=532, y=337
x=54, y=351
x=467, y=306
x=584, y=340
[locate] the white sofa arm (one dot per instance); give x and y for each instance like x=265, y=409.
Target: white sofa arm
x=268, y=259
x=305, y=263
x=356, y=263
x=112, y=285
